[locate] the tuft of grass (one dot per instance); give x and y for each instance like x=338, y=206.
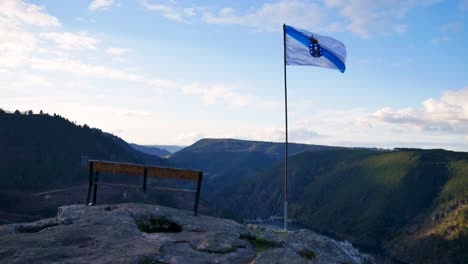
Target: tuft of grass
x=261, y=244
x=150, y=260
x=307, y=254
x=157, y=225
x=255, y=228
x=280, y=231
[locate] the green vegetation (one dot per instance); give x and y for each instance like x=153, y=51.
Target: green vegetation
x=154, y=224
x=255, y=228
x=150, y=260
x=369, y=197
x=455, y=188
x=261, y=244
x=307, y=254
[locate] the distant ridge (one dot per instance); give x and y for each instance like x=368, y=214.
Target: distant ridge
x=152, y=150
x=272, y=149
x=170, y=148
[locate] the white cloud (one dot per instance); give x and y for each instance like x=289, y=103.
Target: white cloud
x=217, y=93
x=369, y=16
x=70, y=41
x=160, y=84
x=448, y=115
x=362, y=17
x=79, y=68
x=16, y=41
x=101, y=4
x=100, y=71
x=118, y=51
x=17, y=10
x=173, y=11
x=32, y=81
x=271, y=16
x=440, y=40
x=118, y=54
x=15, y=44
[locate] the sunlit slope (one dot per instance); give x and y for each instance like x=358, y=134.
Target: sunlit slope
x=441, y=233
x=364, y=196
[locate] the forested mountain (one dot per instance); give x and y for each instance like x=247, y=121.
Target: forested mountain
x=271, y=149
x=228, y=161
x=40, y=152
x=412, y=202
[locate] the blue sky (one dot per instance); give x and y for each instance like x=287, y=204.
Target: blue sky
x=172, y=72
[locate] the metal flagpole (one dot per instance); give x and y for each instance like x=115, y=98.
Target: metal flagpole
x=286, y=142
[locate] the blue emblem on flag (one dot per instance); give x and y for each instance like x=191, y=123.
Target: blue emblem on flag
x=314, y=48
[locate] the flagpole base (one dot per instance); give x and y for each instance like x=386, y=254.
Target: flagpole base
x=285, y=216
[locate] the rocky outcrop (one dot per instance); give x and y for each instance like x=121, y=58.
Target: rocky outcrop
x=140, y=233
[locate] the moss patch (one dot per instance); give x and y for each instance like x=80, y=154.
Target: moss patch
x=157, y=225
x=260, y=244
x=307, y=253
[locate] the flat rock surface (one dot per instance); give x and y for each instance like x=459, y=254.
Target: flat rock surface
x=141, y=233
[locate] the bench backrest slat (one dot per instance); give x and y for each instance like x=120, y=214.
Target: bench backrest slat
x=152, y=171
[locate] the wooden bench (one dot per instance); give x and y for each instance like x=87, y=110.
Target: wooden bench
x=97, y=166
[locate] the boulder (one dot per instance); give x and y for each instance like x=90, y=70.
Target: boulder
x=141, y=233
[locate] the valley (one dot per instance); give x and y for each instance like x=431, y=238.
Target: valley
x=410, y=204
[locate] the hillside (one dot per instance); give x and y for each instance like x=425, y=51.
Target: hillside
x=152, y=150
x=40, y=152
x=228, y=161
x=405, y=200
x=271, y=149
x=44, y=150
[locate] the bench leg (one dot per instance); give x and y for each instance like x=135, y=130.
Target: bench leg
x=95, y=187
x=145, y=175
x=197, y=195
x=90, y=182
